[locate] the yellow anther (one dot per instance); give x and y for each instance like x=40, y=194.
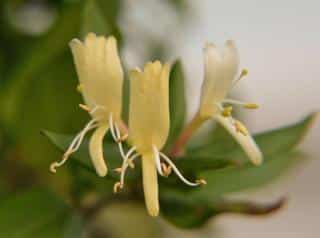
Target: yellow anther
x=131, y=164
x=241, y=128
x=122, y=138
x=244, y=73
x=227, y=111
x=84, y=107
x=251, y=106
x=117, y=186
x=118, y=170
x=201, y=182
x=80, y=88
x=166, y=169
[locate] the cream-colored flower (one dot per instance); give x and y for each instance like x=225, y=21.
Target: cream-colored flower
x=100, y=74
x=149, y=123
x=221, y=68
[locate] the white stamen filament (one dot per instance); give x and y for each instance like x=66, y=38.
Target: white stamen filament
x=220, y=107
x=234, y=102
x=112, y=127
x=75, y=144
x=157, y=159
x=175, y=169
x=125, y=164
x=244, y=104
x=116, y=135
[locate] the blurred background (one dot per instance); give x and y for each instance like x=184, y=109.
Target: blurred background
x=278, y=42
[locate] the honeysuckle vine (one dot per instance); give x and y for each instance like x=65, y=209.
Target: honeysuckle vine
x=101, y=77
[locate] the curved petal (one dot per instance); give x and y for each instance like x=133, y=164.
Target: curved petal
x=220, y=69
x=246, y=141
x=96, y=150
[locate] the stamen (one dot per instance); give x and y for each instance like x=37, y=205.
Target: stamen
x=116, y=187
x=118, y=170
x=227, y=111
x=175, y=169
x=166, y=169
x=157, y=159
x=244, y=104
x=251, y=106
x=116, y=135
x=241, y=128
x=74, y=146
x=80, y=87
x=243, y=73
x=112, y=127
x=84, y=107
x=124, y=167
x=201, y=182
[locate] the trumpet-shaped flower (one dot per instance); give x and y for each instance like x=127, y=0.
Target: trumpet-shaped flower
x=100, y=74
x=149, y=123
x=221, y=68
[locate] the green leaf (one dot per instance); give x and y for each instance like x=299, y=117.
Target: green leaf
x=190, y=208
x=177, y=101
x=190, y=215
x=234, y=179
x=45, y=49
x=34, y=214
x=224, y=151
x=82, y=157
x=277, y=147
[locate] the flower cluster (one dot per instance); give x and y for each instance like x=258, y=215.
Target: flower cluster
x=100, y=74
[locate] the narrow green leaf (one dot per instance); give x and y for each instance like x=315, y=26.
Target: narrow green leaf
x=234, y=179
x=177, y=101
x=82, y=157
x=34, y=214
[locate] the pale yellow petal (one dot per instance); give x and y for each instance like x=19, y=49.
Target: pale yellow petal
x=150, y=184
x=213, y=70
x=220, y=68
x=246, y=141
x=149, y=106
x=96, y=150
x=100, y=73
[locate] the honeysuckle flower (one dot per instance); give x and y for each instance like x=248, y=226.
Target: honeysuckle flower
x=221, y=68
x=100, y=74
x=149, y=123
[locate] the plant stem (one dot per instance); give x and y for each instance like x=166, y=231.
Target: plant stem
x=178, y=146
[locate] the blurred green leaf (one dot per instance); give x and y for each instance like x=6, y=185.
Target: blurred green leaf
x=177, y=101
x=46, y=49
x=74, y=228
x=34, y=214
x=195, y=215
